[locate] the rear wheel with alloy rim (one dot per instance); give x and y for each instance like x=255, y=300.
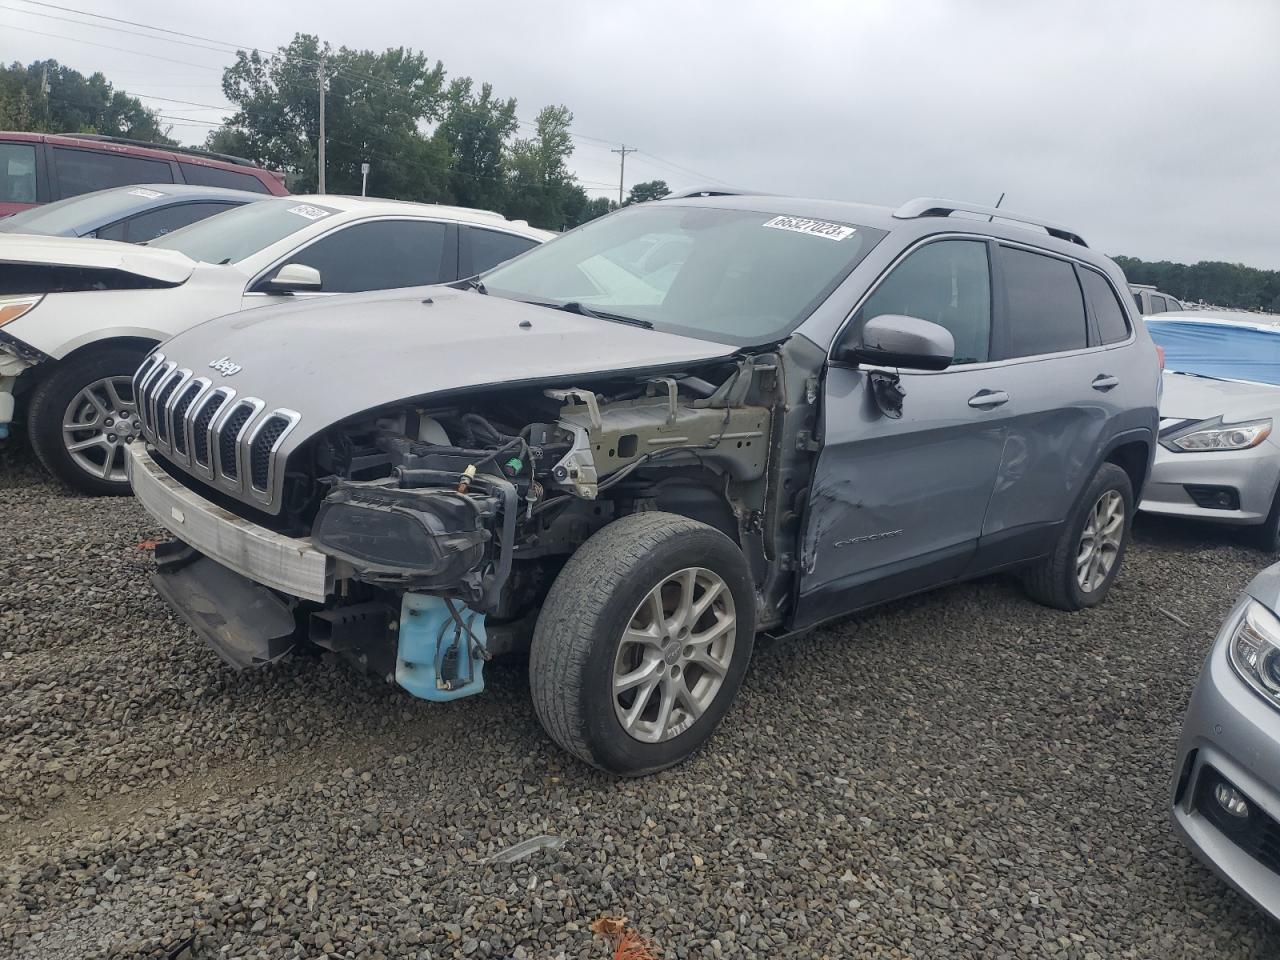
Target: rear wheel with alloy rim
x=1087, y=556
x=643, y=642
x=83, y=416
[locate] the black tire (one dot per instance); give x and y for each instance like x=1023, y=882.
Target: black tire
x=1053, y=580
x=1267, y=536
x=49, y=404
x=580, y=632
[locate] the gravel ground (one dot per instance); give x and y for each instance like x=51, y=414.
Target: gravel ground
x=960, y=775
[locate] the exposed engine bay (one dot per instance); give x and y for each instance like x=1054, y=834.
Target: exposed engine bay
x=469, y=510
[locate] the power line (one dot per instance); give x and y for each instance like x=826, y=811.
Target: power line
x=103, y=26
x=107, y=46
x=344, y=71
x=134, y=23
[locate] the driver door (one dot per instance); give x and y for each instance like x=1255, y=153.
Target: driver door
x=897, y=505
x=372, y=255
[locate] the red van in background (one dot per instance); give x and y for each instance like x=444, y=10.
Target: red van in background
x=40, y=167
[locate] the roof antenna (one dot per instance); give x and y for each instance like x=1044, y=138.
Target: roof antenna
x=997, y=207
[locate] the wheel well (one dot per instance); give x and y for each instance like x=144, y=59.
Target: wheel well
x=1132, y=458
x=33, y=377
x=688, y=497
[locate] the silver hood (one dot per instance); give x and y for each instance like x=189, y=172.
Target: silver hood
x=1201, y=398
x=322, y=361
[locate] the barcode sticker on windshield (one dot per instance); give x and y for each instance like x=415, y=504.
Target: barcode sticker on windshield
x=815, y=228
x=144, y=192
x=310, y=212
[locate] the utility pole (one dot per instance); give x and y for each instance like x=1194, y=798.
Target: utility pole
x=320, y=162
x=44, y=89
x=622, y=174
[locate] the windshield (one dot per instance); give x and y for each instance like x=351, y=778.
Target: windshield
x=230, y=237
x=733, y=276
x=1221, y=350
x=85, y=212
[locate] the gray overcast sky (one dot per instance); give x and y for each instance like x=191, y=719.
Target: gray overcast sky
x=1150, y=126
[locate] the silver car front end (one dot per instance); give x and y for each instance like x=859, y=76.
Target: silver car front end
x=1225, y=486
x=1226, y=794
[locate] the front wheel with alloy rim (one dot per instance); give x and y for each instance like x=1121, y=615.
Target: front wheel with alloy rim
x=1087, y=555
x=642, y=642
x=82, y=417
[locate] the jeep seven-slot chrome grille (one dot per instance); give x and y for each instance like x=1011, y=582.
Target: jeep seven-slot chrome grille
x=228, y=441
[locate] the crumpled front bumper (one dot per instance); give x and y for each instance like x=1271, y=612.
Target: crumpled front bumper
x=289, y=565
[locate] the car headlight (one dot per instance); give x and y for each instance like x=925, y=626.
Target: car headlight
x=1255, y=650
x=11, y=308
x=1220, y=436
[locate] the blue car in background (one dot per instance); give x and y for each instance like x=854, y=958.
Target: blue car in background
x=133, y=214
x=1219, y=457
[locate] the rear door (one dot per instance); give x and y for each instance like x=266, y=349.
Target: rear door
x=1062, y=383
x=76, y=171
x=482, y=249
x=897, y=505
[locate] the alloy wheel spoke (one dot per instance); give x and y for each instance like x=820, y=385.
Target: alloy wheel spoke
x=688, y=702
x=97, y=440
x=648, y=670
x=113, y=395
x=639, y=704
x=646, y=637
x=667, y=695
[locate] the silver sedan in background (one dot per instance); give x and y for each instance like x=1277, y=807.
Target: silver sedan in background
x=1226, y=794
x=1219, y=452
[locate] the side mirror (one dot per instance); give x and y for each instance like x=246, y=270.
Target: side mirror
x=892, y=340
x=294, y=278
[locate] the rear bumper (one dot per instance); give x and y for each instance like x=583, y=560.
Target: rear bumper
x=1252, y=473
x=1229, y=731
x=290, y=565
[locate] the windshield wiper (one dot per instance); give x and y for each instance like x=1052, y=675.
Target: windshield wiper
x=582, y=310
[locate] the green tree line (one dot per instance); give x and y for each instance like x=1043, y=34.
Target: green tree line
x=1231, y=285
x=72, y=103
x=426, y=136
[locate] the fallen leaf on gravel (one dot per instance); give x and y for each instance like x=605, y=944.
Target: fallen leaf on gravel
x=627, y=944
x=148, y=544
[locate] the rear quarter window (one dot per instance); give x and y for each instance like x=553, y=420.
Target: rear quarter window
x=1112, y=324
x=204, y=176
x=1045, y=307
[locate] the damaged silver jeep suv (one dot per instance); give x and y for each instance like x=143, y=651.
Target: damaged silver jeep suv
x=631, y=450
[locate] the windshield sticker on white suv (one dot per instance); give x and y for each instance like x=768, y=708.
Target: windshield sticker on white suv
x=144, y=192
x=815, y=228
x=310, y=212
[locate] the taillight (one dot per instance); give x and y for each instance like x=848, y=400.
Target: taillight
x=1160, y=354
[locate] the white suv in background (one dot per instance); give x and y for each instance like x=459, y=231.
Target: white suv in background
x=77, y=316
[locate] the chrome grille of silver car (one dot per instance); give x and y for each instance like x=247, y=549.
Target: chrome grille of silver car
x=229, y=441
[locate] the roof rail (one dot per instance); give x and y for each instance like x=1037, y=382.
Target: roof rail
x=933, y=207
x=172, y=148
x=712, y=192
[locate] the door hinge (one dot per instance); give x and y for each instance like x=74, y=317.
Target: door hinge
x=806, y=443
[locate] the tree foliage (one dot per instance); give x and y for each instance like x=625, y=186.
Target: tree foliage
x=374, y=105
x=648, y=190
x=1231, y=285
x=74, y=104
x=474, y=135
x=425, y=139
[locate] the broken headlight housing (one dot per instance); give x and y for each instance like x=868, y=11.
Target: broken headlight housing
x=1254, y=650
x=1212, y=435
